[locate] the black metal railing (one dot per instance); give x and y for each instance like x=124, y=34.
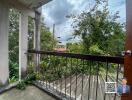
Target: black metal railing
x=78, y=76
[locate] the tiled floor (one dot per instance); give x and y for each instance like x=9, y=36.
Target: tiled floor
x=30, y=93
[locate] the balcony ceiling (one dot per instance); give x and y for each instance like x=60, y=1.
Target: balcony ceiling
x=33, y=3
x=25, y=4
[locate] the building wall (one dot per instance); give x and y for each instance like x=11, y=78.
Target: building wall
x=4, y=24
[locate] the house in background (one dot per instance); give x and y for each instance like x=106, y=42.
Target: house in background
x=61, y=48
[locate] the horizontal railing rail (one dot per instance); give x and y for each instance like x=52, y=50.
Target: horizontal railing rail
x=111, y=59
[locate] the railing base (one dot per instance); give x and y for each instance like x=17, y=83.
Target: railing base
x=51, y=92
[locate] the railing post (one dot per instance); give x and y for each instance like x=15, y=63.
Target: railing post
x=128, y=46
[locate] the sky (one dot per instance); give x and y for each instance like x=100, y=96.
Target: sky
x=55, y=12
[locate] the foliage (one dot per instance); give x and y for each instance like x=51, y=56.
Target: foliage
x=94, y=49
x=46, y=41
x=13, y=70
x=21, y=85
x=46, y=38
x=74, y=47
x=116, y=44
x=30, y=32
x=30, y=77
x=13, y=44
x=13, y=79
x=99, y=30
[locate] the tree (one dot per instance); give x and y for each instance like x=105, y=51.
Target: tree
x=99, y=29
x=116, y=44
x=47, y=40
x=13, y=43
x=46, y=37
x=74, y=47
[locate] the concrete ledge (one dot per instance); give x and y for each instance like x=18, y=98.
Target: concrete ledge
x=4, y=84
x=8, y=87
x=54, y=93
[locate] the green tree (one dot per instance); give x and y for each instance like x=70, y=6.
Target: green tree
x=98, y=29
x=116, y=44
x=13, y=43
x=47, y=40
x=74, y=47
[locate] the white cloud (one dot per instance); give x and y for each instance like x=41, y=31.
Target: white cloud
x=118, y=5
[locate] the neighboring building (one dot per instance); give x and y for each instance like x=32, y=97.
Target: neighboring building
x=60, y=48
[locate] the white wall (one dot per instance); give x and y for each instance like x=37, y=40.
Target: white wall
x=4, y=24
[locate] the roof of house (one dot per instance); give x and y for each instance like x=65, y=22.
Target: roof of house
x=60, y=49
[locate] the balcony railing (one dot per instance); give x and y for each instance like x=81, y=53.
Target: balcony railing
x=77, y=76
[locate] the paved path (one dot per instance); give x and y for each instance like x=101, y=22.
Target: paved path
x=31, y=93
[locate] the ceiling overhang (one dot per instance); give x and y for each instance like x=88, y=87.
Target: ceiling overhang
x=26, y=5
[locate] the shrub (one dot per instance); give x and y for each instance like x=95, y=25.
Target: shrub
x=21, y=85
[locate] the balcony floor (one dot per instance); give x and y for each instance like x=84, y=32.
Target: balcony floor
x=30, y=93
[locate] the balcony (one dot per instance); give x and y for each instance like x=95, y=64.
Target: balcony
x=64, y=76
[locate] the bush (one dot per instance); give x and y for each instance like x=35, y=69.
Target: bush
x=13, y=67
x=12, y=79
x=21, y=85
x=27, y=80
x=30, y=78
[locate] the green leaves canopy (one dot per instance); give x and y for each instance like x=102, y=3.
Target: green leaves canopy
x=98, y=29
